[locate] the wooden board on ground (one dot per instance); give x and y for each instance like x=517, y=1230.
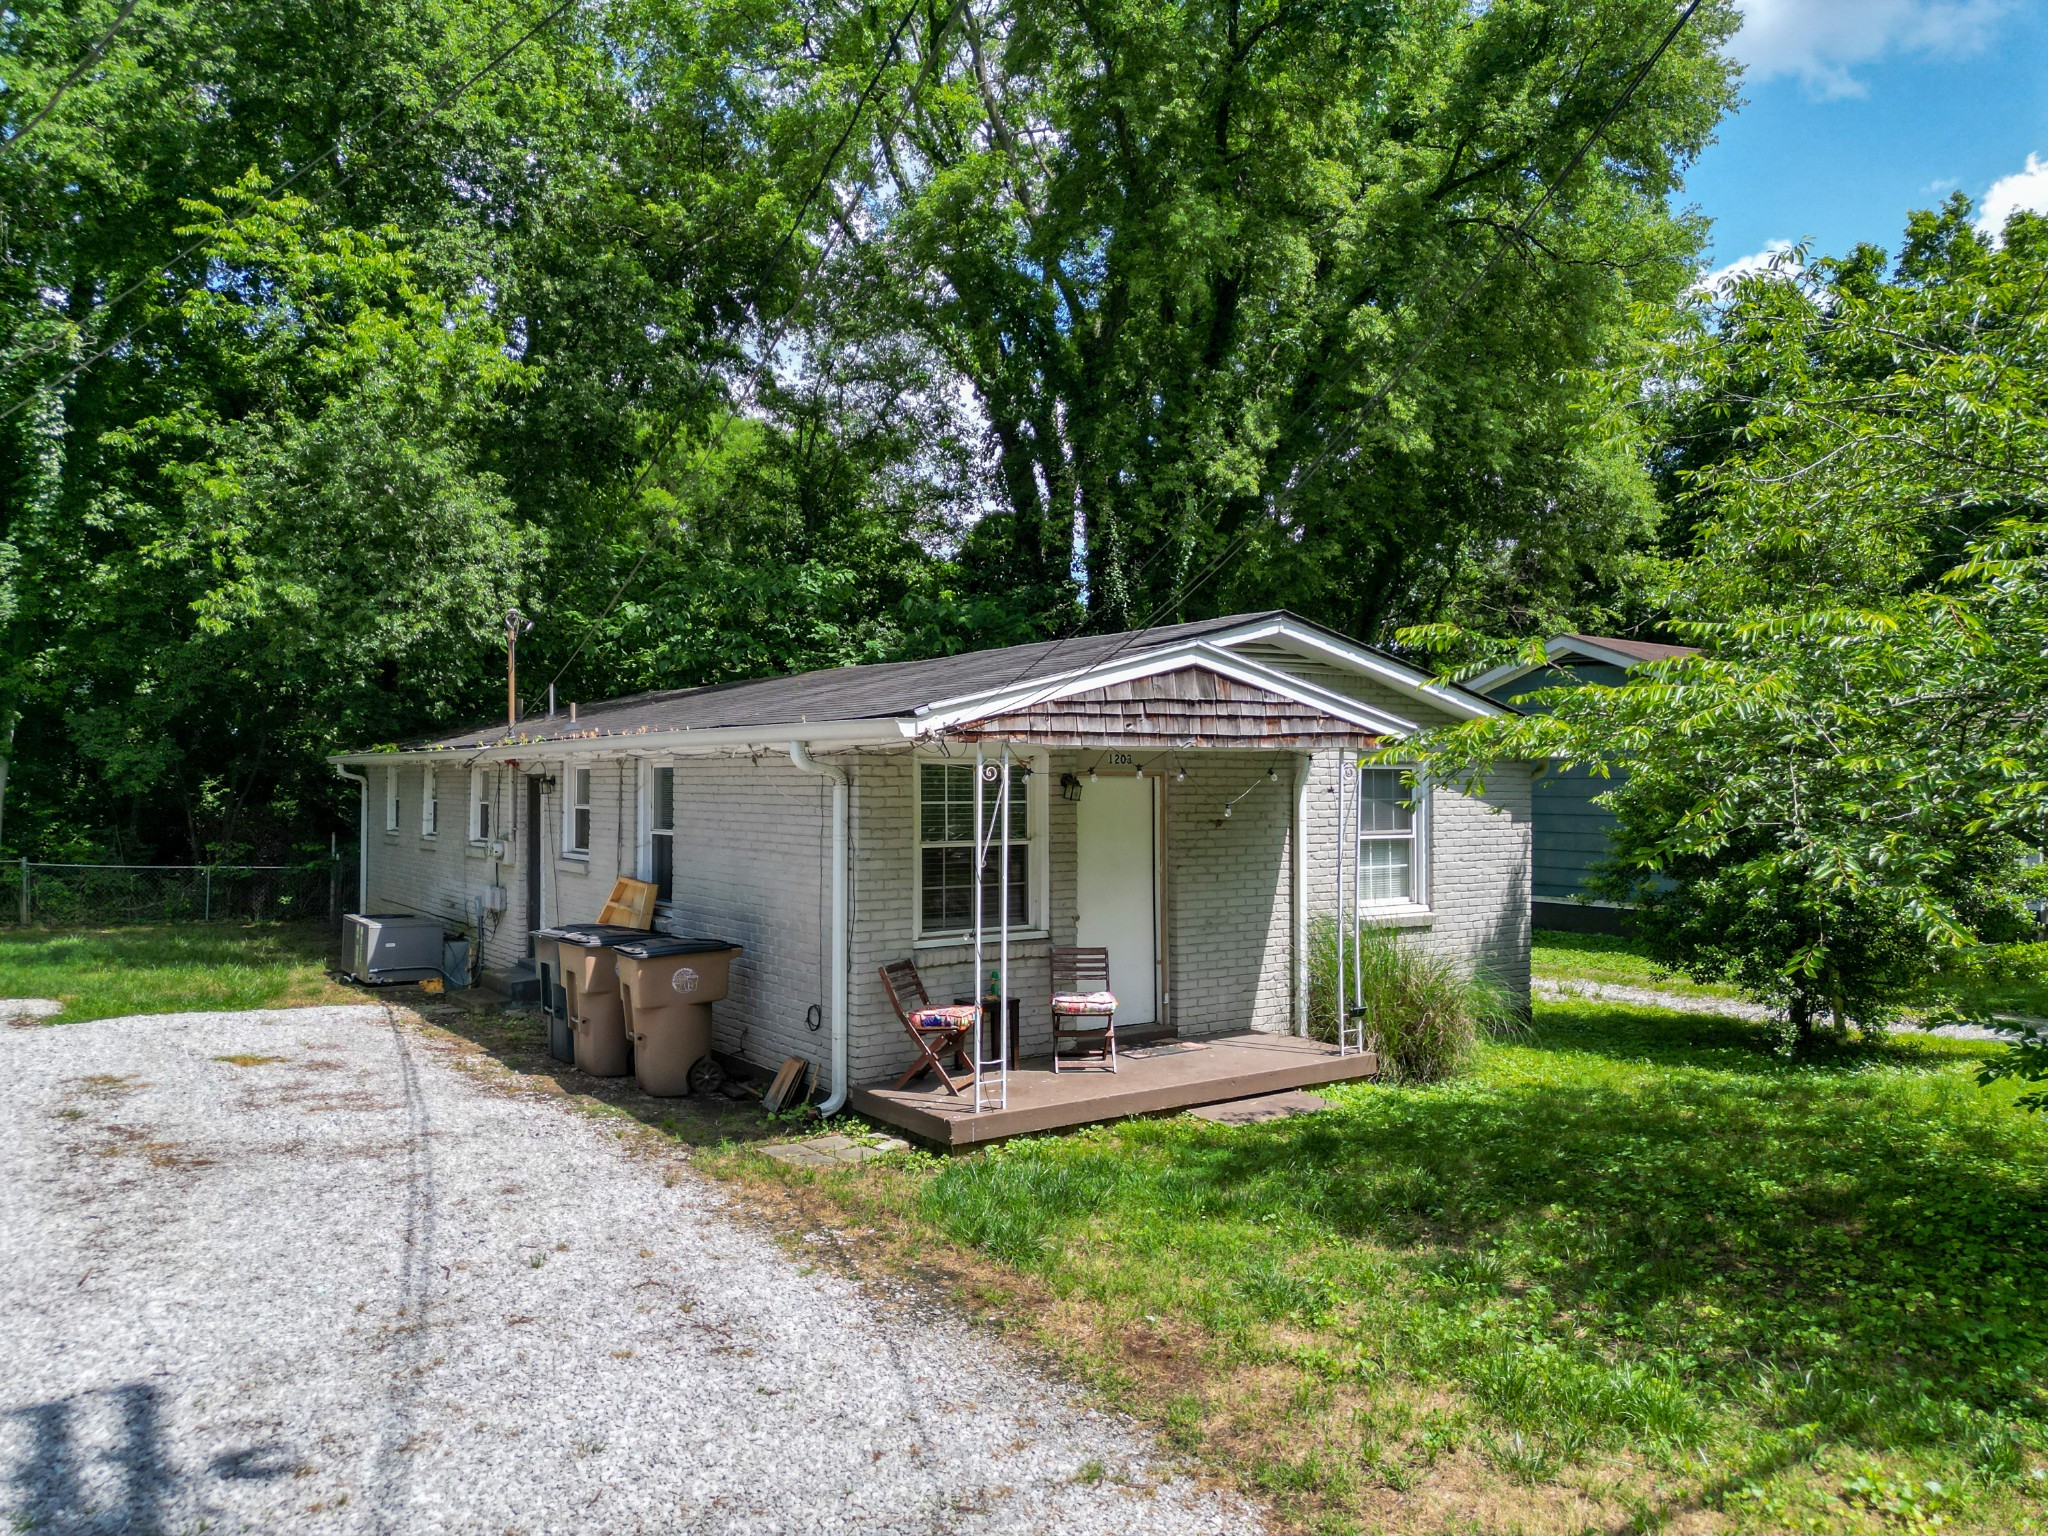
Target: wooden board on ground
x=784, y=1088
x=631, y=904
x=1267, y=1106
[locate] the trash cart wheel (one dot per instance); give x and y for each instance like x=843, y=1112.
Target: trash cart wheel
x=706, y=1076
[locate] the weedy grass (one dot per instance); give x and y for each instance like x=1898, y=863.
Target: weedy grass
x=1633, y=1271
x=172, y=968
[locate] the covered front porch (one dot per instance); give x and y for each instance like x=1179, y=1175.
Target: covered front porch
x=1153, y=1078
x=1162, y=823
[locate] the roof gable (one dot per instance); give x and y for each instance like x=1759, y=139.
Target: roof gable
x=1567, y=651
x=1193, y=704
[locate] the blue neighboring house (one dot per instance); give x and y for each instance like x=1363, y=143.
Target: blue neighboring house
x=1570, y=831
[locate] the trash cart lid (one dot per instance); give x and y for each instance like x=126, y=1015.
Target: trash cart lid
x=595, y=935
x=664, y=944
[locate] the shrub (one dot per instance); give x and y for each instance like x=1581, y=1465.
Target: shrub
x=1422, y=1013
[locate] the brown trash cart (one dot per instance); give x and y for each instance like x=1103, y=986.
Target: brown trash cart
x=667, y=986
x=590, y=986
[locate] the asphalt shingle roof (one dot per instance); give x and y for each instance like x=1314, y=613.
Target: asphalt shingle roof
x=1642, y=650
x=879, y=691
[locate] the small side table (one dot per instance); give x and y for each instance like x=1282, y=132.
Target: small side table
x=1009, y=1046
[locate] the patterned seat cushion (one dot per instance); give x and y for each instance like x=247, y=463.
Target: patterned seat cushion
x=942, y=1018
x=1084, y=1002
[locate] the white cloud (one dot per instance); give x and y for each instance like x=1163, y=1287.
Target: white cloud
x=1777, y=253
x=2022, y=189
x=1820, y=42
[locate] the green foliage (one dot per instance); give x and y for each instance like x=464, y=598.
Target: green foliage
x=1176, y=251
x=1841, y=792
x=313, y=363
x=2025, y=1061
x=1423, y=1014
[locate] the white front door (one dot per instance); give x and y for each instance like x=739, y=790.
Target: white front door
x=1117, y=886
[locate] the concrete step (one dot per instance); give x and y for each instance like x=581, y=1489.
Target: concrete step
x=522, y=983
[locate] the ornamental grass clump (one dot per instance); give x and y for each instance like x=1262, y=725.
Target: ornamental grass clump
x=1423, y=1014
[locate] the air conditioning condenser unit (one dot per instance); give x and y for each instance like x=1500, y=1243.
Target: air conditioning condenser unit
x=388, y=947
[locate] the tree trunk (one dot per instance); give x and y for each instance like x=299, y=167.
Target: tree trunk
x=1802, y=1020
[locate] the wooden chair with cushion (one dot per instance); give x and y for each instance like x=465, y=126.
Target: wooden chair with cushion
x=936, y=1030
x=1083, y=1007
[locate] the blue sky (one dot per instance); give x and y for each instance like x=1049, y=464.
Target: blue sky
x=1859, y=110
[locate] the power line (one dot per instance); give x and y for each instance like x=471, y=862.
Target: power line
x=1288, y=492
x=767, y=351
x=440, y=106
x=92, y=57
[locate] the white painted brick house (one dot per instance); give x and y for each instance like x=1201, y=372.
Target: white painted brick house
x=1177, y=794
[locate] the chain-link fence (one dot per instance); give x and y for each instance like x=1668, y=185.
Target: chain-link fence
x=175, y=893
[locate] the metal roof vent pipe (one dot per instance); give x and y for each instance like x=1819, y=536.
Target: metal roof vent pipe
x=800, y=756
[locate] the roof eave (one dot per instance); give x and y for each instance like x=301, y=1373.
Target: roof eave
x=882, y=732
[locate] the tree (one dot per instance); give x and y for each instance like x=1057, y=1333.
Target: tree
x=262, y=497
x=1176, y=252
x=1842, y=790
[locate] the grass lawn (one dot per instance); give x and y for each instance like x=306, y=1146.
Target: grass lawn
x=1634, y=1273
x=1995, y=979
x=169, y=968
x=1612, y=959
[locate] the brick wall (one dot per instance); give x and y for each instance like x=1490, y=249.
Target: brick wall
x=753, y=849
x=753, y=864
x=442, y=875
x=1478, y=869
x=1228, y=892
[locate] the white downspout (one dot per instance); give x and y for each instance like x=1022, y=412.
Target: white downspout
x=1297, y=883
x=362, y=837
x=800, y=756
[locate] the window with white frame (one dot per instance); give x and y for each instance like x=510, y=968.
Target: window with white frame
x=576, y=814
x=391, y=807
x=945, y=849
x=430, y=805
x=1391, y=816
x=661, y=832
x=482, y=790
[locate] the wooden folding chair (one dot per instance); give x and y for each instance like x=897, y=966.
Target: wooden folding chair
x=936, y=1030
x=1080, y=991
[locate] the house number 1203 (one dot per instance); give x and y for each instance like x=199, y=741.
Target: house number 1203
x=1121, y=760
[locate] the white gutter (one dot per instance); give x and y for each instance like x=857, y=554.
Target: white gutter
x=724, y=738
x=1297, y=893
x=800, y=756
x=362, y=837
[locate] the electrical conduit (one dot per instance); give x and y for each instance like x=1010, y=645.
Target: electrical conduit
x=800, y=756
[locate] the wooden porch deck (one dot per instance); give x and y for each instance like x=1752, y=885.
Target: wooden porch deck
x=1228, y=1067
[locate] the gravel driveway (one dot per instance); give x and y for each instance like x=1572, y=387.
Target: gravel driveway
x=298, y=1271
